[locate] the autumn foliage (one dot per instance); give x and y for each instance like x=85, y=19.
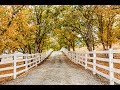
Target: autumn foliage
x=35, y=28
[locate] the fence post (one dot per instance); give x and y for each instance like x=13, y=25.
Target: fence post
x=82, y=59
x=111, y=73
x=26, y=62
x=94, y=61
x=14, y=72
x=40, y=57
x=36, y=59
x=78, y=58
x=85, y=60
x=70, y=55
x=75, y=57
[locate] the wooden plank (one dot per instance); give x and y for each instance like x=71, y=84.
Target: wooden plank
x=31, y=59
x=90, y=68
x=102, y=59
x=31, y=66
x=31, y=63
x=6, y=75
x=6, y=56
x=20, y=60
x=90, y=57
x=7, y=68
x=116, y=60
x=101, y=66
x=6, y=62
x=116, y=80
x=83, y=65
x=21, y=71
x=21, y=66
x=115, y=51
x=20, y=55
x=82, y=56
x=102, y=52
x=90, y=52
x=90, y=63
x=102, y=74
x=81, y=60
x=116, y=70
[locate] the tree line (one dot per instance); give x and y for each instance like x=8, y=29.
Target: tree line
x=29, y=28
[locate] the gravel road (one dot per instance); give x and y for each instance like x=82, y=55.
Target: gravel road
x=58, y=70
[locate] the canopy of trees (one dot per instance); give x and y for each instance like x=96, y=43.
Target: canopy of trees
x=36, y=28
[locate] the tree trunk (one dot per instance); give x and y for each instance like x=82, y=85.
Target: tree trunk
x=68, y=47
x=89, y=36
x=101, y=30
x=36, y=47
x=29, y=49
x=89, y=47
x=73, y=46
x=25, y=50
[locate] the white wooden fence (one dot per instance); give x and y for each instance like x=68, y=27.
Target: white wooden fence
x=84, y=58
x=30, y=61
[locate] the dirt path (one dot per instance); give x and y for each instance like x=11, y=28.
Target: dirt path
x=58, y=70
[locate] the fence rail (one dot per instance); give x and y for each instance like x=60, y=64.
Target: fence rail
x=83, y=59
x=28, y=61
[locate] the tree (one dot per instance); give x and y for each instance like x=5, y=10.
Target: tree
x=106, y=19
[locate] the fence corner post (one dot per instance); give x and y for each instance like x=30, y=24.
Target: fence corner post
x=14, y=70
x=94, y=61
x=111, y=73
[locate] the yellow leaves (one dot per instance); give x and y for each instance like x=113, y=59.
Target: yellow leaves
x=58, y=30
x=2, y=44
x=109, y=23
x=12, y=44
x=44, y=14
x=11, y=32
x=33, y=28
x=106, y=10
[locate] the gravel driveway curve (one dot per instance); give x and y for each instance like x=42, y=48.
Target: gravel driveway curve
x=58, y=70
